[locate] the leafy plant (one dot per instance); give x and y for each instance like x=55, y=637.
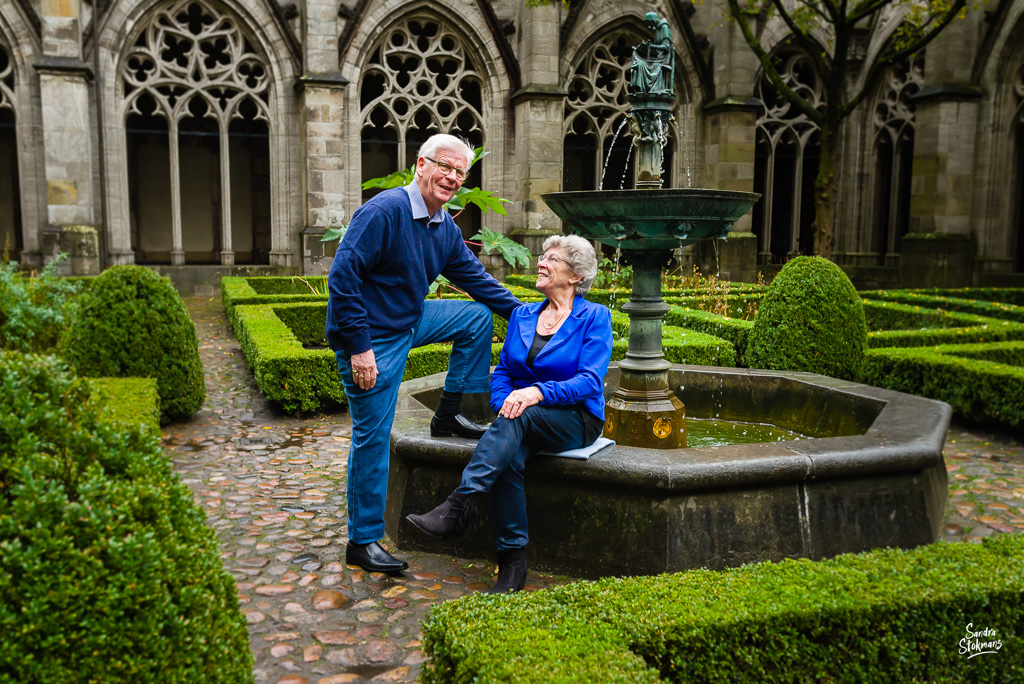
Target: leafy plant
x=35, y=310
x=609, y=276
x=514, y=253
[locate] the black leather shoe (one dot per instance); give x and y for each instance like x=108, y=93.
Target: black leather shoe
x=373, y=557
x=456, y=425
x=450, y=519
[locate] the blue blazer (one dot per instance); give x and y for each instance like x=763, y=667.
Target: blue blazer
x=570, y=369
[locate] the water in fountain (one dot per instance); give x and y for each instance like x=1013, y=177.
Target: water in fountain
x=608, y=157
x=625, y=169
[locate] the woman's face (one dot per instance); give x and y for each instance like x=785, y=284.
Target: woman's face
x=554, y=273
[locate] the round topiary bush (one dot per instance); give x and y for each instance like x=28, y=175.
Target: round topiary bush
x=107, y=570
x=811, y=319
x=132, y=323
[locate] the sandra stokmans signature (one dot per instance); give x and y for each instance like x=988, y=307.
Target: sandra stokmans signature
x=980, y=642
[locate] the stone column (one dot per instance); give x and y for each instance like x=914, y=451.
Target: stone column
x=731, y=124
x=64, y=82
x=938, y=249
x=322, y=92
x=539, y=112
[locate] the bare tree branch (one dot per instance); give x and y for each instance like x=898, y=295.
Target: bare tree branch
x=887, y=58
x=812, y=47
x=769, y=68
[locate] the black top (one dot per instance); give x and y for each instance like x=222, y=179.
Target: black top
x=538, y=343
x=593, y=426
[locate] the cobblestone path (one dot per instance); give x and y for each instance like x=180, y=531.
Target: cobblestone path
x=273, y=488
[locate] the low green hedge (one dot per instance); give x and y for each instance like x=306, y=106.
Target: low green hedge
x=1007, y=353
x=884, y=616
x=734, y=330
x=130, y=401
x=992, y=331
x=976, y=389
x=108, y=572
x=306, y=380
x=132, y=323
x=1006, y=295
x=679, y=345
x=989, y=309
x=241, y=291
x=881, y=315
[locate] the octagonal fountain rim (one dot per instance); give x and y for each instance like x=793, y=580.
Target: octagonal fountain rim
x=906, y=435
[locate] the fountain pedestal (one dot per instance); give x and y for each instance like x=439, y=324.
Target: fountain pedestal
x=643, y=411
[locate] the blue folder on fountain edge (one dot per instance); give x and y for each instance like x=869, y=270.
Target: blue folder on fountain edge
x=584, y=453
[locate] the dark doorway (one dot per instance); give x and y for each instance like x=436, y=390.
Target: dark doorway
x=11, y=244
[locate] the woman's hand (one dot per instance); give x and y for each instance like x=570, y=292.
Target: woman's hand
x=518, y=400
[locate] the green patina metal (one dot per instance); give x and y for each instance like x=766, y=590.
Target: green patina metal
x=647, y=224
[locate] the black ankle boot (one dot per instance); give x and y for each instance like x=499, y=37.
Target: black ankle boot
x=450, y=519
x=511, y=571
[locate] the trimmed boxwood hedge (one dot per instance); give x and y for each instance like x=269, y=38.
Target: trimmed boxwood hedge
x=978, y=390
x=992, y=331
x=107, y=570
x=895, y=316
x=679, y=345
x=132, y=323
x=236, y=291
x=989, y=309
x=734, y=330
x=883, y=616
x=811, y=319
x=306, y=380
x=1006, y=295
x=129, y=401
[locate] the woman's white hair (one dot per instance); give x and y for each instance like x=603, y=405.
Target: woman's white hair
x=580, y=255
x=444, y=141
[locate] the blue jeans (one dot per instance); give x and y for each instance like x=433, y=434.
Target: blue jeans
x=500, y=458
x=470, y=326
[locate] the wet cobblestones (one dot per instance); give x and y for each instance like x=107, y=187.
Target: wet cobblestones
x=273, y=488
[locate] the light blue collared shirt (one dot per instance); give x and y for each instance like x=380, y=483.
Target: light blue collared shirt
x=419, y=207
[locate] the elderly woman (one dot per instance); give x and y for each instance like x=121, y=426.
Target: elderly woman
x=548, y=393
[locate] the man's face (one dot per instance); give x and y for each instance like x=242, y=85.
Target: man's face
x=436, y=187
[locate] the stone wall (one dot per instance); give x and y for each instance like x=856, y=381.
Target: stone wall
x=964, y=169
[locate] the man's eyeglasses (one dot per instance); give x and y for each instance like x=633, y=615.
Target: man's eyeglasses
x=445, y=168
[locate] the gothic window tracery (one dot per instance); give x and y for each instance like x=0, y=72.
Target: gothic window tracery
x=420, y=79
x=196, y=91
x=786, y=161
x=894, y=151
x=10, y=196
x=596, y=140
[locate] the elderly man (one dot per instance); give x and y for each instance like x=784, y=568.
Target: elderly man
x=396, y=245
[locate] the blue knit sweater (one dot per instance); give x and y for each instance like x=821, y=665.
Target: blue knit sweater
x=386, y=262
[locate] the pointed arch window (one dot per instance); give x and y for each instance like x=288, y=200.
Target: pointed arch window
x=10, y=196
x=420, y=79
x=894, y=155
x=197, y=110
x=786, y=162
x=596, y=140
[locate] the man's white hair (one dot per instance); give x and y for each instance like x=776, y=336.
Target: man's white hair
x=444, y=141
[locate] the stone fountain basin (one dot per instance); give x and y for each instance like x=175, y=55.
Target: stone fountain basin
x=651, y=219
x=870, y=475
